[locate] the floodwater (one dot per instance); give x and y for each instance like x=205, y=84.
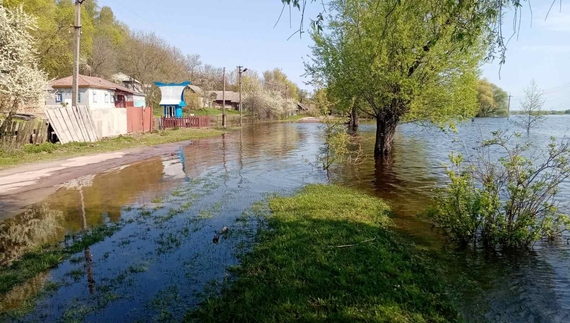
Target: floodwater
x=163, y=260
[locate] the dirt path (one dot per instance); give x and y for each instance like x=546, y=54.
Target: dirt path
x=29, y=184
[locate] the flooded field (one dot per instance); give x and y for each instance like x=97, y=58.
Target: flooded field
x=167, y=250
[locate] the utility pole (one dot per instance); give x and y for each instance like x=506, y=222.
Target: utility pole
x=240, y=71
x=509, y=107
x=76, y=51
x=224, y=101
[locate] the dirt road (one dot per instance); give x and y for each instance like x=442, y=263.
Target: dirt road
x=26, y=185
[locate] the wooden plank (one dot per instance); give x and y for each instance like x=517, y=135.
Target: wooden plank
x=83, y=123
x=89, y=124
x=70, y=127
x=25, y=133
x=64, y=124
x=75, y=125
x=53, y=120
x=43, y=132
x=78, y=119
x=86, y=124
x=59, y=126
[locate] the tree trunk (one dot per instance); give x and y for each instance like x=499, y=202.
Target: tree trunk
x=353, y=123
x=385, y=129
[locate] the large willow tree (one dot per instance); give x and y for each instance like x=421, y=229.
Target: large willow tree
x=402, y=60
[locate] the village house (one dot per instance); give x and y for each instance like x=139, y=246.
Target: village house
x=215, y=99
x=132, y=84
x=304, y=108
x=231, y=99
x=95, y=93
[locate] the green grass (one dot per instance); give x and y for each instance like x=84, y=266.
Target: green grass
x=212, y=112
x=47, y=257
x=49, y=151
x=297, y=117
x=329, y=256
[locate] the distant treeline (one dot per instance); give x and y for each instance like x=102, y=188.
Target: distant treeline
x=556, y=112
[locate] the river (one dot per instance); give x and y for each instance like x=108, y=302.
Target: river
x=162, y=261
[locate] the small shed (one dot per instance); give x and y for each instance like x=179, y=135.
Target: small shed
x=172, y=100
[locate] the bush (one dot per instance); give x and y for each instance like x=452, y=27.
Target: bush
x=508, y=203
x=46, y=147
x=339, y=146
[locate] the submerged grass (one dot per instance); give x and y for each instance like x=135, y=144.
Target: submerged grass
x=328, y=255
x=49, y=151
x=34, y=263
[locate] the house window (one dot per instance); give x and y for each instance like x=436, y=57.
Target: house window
x=106, y=97
x=79, y=97
x=58, y=97
x=112, y=99
x=94, y=96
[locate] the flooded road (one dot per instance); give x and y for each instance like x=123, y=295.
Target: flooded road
x=163, y=260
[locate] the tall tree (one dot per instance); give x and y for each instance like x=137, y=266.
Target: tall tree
x=400, y=64
x=501, y=99
x=21, y=81
x=532, y=113
x=487, y=104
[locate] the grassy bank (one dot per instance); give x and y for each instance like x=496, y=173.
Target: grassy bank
x=212, y=112
x=328, y=256
x=48, y=151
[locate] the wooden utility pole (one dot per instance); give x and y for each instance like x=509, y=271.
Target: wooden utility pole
x=240, y=71
x=224, y=101
x=76, y=51
x=509, y=107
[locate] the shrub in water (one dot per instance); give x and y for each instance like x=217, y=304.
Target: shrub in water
x=509, y=202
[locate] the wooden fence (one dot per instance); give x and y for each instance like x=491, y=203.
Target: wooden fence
x=139, y=119
x=16, y=133
x=72, y=124
x=186, y=122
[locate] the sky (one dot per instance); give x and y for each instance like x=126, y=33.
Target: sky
x=227, y=33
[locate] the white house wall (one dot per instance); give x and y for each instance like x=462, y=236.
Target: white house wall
x=66, y=97
x=87, y=98
x=110, y=122
x=104, y=98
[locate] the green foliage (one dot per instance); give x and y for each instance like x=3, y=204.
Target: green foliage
x=397, y=65
x=328, y=256
x=339, y=146
x=492, y=100
x=509, y=203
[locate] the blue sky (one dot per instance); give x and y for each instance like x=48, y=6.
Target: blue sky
x=227, y=33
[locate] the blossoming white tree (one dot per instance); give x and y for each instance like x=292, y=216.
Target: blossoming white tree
x=21, y=81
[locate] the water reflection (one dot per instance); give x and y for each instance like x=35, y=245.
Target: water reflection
x=35, y=227
x=170, y=207
x=530, y=287
x=173, y=205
